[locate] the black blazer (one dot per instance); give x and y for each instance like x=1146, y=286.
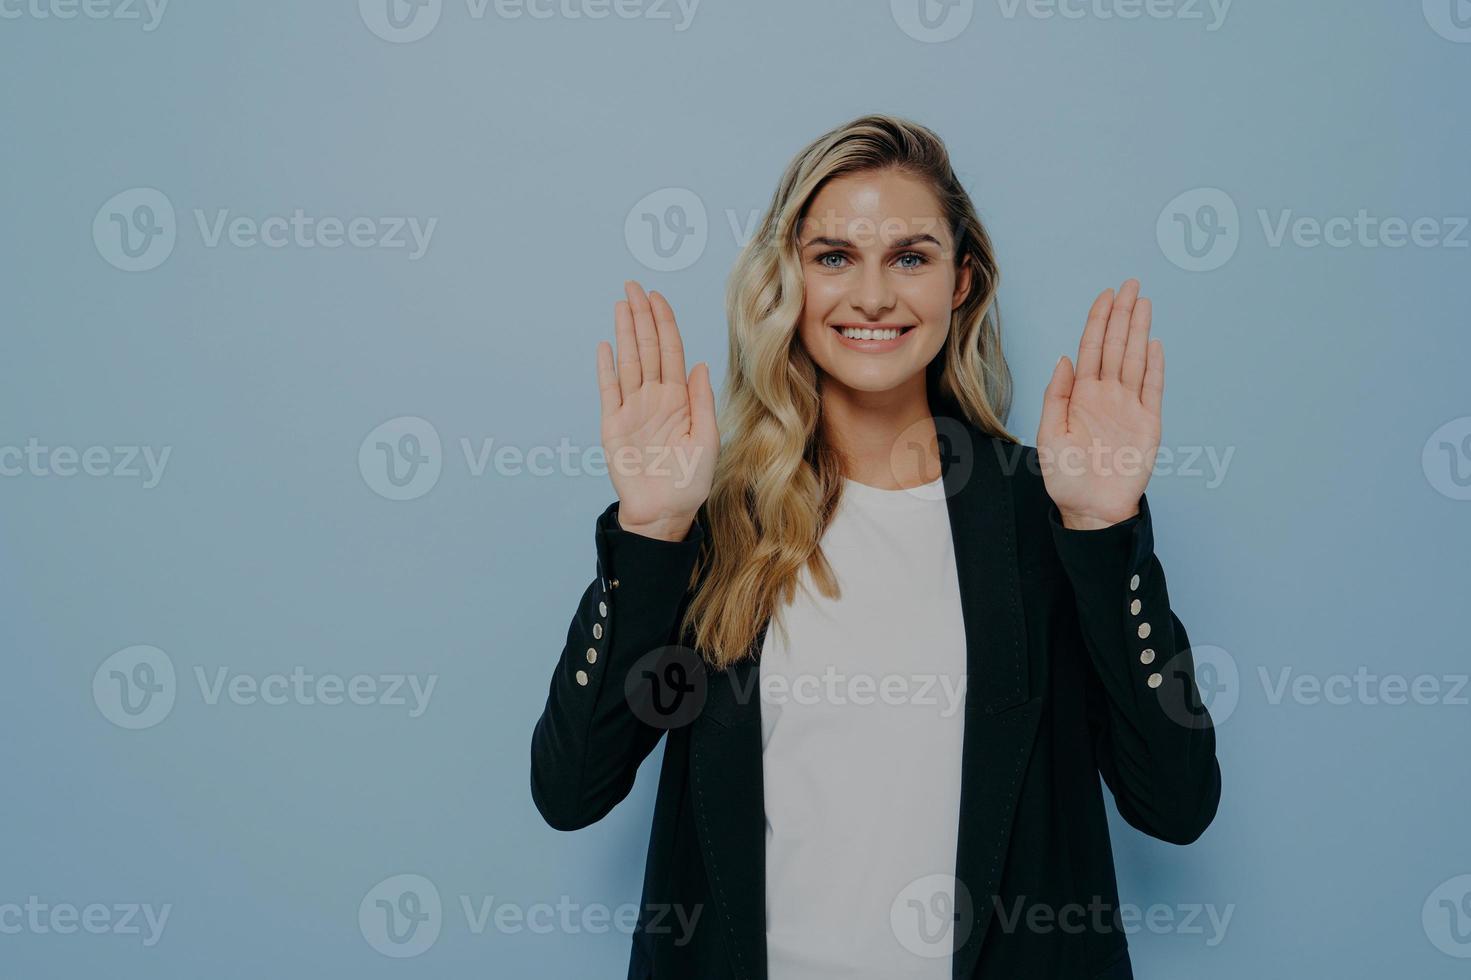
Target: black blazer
x=1061, y=688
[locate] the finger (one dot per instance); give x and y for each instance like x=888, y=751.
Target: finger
x=630, y=375
x=1090, y=348
x=702, y=406
x=1055, y=400
x=644, y=331
x=608, y=394
x=1117, y=335
x=671, y=348
x=1138, y=344
x=1153, y=394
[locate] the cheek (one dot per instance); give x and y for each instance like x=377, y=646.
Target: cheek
x=820, y=296
x=930, y=298
x=818, y=302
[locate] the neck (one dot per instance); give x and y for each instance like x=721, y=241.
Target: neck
x=885, y=438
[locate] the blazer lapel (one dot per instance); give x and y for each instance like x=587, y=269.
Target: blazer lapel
x=725, y=740
x=730, y=809
x=997, y=742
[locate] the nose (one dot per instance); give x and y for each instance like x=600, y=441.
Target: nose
x=873, y=294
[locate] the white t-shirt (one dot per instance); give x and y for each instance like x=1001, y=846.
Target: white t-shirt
x=862, y=718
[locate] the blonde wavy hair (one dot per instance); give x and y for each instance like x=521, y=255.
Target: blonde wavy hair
x=777, y=482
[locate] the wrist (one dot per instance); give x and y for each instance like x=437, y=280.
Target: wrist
x=1084, y=521
x=667, y=529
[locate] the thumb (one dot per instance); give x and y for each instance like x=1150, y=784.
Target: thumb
x=1055, y=399
x=702, y=406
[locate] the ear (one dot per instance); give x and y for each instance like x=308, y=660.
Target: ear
x=962, y=283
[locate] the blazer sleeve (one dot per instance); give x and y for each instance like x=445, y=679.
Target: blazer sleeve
x=1153, y=739
x=588, y=743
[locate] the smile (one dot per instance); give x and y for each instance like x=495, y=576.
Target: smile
x=872, y=338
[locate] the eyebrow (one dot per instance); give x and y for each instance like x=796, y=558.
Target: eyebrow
x=844, y=243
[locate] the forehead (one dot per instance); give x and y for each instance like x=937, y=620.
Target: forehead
x=874, y=209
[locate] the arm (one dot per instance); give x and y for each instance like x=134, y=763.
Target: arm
x=588, y=743
x=1153, y=739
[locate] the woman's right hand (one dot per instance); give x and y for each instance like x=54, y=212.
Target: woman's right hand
x=658, y=430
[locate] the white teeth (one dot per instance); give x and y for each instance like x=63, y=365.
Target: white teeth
x=864, y=333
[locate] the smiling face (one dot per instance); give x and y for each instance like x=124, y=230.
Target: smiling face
x=878, y=260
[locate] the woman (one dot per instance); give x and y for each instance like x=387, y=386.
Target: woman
x=902, y=779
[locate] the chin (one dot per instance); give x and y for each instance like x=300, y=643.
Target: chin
x=870, y=381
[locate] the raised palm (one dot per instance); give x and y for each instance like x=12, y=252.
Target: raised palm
x=658, y=428
x=1100, y=427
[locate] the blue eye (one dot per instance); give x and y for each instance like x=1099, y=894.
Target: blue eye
x=920, y=257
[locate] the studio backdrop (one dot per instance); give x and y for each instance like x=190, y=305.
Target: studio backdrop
x=300, y=459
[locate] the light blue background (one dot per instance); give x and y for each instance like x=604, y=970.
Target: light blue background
x=1326, y=547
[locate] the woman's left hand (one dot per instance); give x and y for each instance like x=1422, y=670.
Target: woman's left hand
x=1100, y=428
